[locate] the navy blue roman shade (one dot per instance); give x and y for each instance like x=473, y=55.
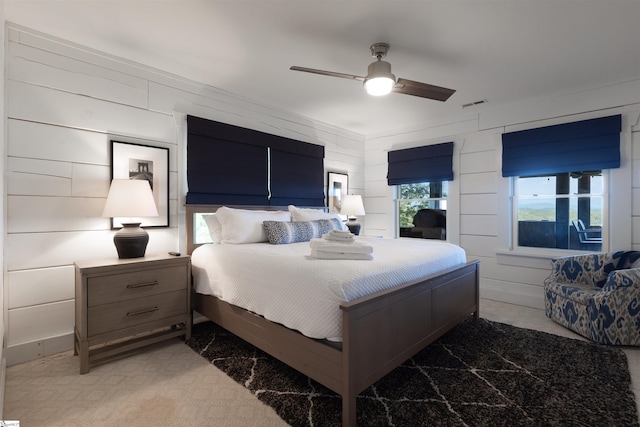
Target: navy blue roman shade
x=431, y=163
x=232, y=165
x=295, y=179
x=226, y=172
x=572, y=147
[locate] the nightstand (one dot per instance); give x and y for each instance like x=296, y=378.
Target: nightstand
x=123, y=304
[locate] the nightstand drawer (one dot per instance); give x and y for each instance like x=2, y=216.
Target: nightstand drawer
x=135, y=284
x=125, y=314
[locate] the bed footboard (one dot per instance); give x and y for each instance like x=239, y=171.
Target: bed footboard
x=382, y=331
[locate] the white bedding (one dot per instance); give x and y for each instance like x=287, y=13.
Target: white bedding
x=285, y=285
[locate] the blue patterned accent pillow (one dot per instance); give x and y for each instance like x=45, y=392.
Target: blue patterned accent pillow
x=283, y=232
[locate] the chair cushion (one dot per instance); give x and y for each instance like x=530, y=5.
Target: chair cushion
x=579, y=294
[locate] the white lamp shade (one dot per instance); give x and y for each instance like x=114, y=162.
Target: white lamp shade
x=352, y=205
x=130, y=198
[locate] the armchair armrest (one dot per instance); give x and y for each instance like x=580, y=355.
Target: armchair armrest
x=579, y=269
x=616, y=307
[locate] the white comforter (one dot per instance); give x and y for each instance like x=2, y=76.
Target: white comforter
x=285, y=285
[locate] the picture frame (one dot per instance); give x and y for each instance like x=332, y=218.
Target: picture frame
x=137, y=161
x=337, y=188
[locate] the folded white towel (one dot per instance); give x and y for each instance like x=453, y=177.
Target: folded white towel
x=346, y=239
x=335, y=232
x=340, y=247
x=336, y=255
x=339, y=235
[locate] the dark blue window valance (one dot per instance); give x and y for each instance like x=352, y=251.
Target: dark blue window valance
x=228, y=164
x=431, y=163
x=572, y=147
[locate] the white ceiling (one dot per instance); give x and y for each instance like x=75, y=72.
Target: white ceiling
x=504, y=51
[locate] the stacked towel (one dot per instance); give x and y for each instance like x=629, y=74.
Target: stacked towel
x=334, y=249
x=343, y=236
x=335, y=255
x=355, y=247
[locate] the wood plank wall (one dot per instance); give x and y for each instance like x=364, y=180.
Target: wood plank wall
x=64, y=103
x=2, y=227
x=479, y=216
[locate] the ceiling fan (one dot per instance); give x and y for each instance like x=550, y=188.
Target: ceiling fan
x=379, y=80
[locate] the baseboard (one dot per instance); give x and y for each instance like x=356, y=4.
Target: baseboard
x=26, y=352
x=513, y=298
x=33, y=350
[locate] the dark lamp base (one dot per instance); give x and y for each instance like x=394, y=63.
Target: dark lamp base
x=353, y=227
x=131, y=241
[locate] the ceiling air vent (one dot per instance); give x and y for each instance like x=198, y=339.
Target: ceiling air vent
x=471, y=104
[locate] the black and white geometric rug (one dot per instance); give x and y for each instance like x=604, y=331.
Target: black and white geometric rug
x=489, y=374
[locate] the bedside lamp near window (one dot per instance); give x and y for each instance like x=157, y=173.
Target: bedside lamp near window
x=351, y=206
x=130, y=198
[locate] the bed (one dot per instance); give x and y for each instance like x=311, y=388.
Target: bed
x=378, y=331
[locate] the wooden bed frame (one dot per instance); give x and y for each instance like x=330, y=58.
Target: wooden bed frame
x=380, y=331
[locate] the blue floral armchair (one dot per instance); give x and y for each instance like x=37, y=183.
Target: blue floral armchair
x=597, y=296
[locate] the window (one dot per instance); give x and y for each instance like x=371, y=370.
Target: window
x=554, y=207
x=412, y=198
x=200, y=230
x=560, y=211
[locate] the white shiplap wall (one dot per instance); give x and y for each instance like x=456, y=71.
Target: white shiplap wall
x=3, y=303
x=478, y=216
x=64, y=105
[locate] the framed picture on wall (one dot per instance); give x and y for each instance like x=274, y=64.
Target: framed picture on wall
x=137, y=161
x=337, y=188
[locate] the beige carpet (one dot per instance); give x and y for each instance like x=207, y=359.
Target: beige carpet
x=169, y=384
x=165, y=385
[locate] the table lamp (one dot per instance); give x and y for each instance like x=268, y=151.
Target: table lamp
x=130, y=198
x=351, y=206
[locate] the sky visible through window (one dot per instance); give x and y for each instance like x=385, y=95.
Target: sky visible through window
x=537, y=198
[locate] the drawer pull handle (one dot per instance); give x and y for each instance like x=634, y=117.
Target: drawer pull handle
x=142, y=285
x=144, y=311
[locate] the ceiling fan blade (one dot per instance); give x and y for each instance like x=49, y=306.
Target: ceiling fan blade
x=423, y=90
x=327, y=73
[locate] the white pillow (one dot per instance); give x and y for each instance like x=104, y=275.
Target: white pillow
x=302, y=214
x=245, y=226
x=215, y=228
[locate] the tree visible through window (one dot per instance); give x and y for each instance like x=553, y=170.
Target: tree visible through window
x=425, y=195
x=561, y=211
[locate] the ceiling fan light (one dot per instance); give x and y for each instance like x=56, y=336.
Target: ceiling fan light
x=379, y=80
x=379, y=86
